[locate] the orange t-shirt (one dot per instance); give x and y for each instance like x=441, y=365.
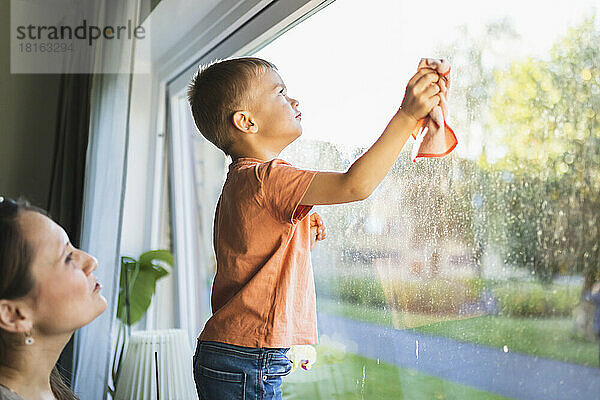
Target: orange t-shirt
x=263, y=293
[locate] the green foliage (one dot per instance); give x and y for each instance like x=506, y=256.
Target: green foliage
x=363, y=291
x=548, y=188
x=538, y=234
x=143, y=274
x=534, y=300
x=440, y=296
x=437, y=296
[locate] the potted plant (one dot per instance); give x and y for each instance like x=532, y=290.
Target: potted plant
x=137, y=285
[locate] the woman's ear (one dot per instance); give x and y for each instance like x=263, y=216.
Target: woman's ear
x=13, y=317
x=244, y=122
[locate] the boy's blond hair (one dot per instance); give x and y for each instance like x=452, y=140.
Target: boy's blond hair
x=220, y=89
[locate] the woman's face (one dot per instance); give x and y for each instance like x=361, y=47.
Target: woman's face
x=66, y=294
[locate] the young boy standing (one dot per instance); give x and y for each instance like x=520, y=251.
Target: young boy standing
x=263, y=296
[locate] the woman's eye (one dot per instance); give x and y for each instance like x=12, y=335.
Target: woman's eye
x=69, y=258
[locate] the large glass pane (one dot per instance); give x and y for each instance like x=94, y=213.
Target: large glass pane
x=463, y=277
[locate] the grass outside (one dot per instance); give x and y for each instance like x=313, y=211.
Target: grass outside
x=344, y=376
x=548, y=338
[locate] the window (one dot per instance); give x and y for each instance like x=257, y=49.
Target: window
x=460, y=277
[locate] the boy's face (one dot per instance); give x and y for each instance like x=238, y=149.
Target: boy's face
x=274, y=111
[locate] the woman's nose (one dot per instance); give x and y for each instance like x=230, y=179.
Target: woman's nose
x=90, y=263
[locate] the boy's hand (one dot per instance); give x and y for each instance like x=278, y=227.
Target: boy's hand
x=317, y=229
x=421, y=94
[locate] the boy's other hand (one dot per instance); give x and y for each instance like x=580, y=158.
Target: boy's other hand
x=317, y=229
x=421, y=94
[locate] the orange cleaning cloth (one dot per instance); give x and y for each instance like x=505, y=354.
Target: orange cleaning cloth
x=434, y=138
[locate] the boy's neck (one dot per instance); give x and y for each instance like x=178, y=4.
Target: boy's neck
x=263, y=155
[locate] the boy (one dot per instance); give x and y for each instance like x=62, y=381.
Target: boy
x=263, y=296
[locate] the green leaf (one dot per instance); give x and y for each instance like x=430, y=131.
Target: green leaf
x=143, y=274
x=152, y=255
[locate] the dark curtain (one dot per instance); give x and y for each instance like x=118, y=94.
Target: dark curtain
x=65, y=200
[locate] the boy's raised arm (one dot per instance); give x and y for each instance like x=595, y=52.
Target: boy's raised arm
x=367, y=172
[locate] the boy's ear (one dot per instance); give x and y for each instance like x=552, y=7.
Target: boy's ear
x=13, y=318
x=244, y=121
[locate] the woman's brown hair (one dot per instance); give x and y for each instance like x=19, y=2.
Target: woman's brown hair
x=16, y=279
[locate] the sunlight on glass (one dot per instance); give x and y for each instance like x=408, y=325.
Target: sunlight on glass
x=460, y=277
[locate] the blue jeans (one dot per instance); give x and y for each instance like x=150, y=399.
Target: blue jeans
x=226, y=372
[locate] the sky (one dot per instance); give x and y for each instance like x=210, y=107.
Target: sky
x=349, y=63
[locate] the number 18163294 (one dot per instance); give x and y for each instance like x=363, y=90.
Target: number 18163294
x=45, y=47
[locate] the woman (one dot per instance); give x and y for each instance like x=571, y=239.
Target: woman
x=47, y=291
